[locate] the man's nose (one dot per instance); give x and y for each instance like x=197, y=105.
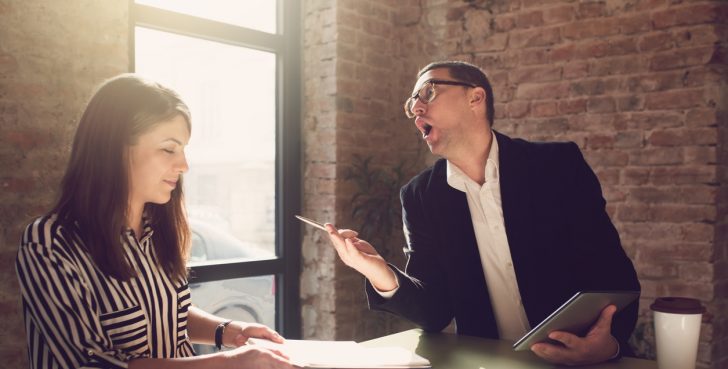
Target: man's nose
x=419, y=108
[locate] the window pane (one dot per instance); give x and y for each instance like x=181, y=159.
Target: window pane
x=230, y=188
x=249, y=299
x=256, y=14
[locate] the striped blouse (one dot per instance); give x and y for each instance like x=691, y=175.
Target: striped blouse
x=76, y=316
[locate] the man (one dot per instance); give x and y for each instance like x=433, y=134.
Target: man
x=500, y=232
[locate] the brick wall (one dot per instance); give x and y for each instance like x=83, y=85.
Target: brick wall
x=52, y=54
x=639, y=85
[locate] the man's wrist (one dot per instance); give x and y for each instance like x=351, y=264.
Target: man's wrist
x=384, y=280
x=616, y=354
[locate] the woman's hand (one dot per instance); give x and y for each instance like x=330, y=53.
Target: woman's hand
x=237, y=333
x=252, y=357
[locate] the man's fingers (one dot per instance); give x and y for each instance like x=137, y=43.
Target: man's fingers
x=551, y=353
x=605, y=319
x=569, y=340
x=347, y=233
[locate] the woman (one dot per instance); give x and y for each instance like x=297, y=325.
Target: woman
x=103, y=275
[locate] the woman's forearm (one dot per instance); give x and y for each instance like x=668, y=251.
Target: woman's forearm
x=201, y=326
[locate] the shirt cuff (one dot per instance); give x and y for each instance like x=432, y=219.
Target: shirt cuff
x=388, y=294
x=615, y=356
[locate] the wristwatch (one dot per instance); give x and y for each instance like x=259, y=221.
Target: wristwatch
x=218, y=333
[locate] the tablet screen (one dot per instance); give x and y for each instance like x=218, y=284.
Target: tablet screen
x=576, y=315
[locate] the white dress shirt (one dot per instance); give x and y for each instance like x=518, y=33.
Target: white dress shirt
x=486, y=212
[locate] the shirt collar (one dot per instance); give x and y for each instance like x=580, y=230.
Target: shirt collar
x=457, y=179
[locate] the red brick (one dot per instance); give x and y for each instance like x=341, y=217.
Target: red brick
x=535, y=74
x=561, y=53
x=630, y=103
x=684, y=137
x=657, y=271
x=702, y=117
x=601, y=104
x=697, y=36
x=599, y=141
x=504, y=23
x=533, y=56
x=682, y=58
x=656, y=42
x=546, y=126
x=607, y=158
x=658, y=156
x=607, y=47
x=590, y=28
x=517, y=109
x=550, y=90
x=663, y=243
x=691, y=14
x=534, y=37
x=559, y=14
x=617, y=65
x=592, y=122
x=26, y=139
x=573, y=106
x=635, y=24
x=683, y=213
x=533, y=18
x=655, y=81
x=635, y=176
x=591, y=9
x=594, y=86
x=683, y=175
x=578, y=69
x=652, y=119
x=701, y=154
x=496, y=42
x=544, y=109
x=675, y=99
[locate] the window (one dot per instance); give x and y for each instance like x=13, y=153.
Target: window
x=236, y=64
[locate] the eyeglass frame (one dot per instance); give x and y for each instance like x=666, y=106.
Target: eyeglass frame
x=432, y=82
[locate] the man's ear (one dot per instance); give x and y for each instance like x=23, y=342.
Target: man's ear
x=477, y=96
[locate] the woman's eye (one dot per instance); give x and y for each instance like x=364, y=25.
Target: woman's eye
x=168, y=151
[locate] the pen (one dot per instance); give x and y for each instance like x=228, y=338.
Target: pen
x=311, y=222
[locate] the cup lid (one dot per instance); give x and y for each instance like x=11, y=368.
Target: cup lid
x=677, y=305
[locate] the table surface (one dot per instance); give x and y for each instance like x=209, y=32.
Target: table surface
x=450, y=351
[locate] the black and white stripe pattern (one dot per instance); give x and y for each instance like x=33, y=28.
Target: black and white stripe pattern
x=78, y=317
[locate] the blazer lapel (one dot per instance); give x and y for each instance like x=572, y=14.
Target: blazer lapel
x=514, y=181
x=467, y=280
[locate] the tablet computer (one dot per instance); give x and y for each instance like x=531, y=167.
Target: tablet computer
x=576, y=315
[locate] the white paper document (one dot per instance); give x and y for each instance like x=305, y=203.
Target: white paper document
x=344, y=355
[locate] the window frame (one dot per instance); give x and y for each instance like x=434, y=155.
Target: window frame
x=285, y=43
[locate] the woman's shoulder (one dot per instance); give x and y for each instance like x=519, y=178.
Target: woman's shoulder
x=45, y=231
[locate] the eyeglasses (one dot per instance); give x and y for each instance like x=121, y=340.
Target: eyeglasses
x=427, y=93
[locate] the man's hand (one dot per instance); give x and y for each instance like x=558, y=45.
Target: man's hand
x=597, y=346
x=363, y=257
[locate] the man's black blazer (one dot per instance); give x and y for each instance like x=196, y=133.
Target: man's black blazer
x=560, y=237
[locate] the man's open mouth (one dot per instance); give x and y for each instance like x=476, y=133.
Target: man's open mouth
x=427, y=128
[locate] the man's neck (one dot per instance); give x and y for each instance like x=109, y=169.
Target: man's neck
x=472, y=160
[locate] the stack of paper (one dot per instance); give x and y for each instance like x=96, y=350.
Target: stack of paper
x=344, y=354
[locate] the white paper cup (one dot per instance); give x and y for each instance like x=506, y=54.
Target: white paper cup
x=677, y=329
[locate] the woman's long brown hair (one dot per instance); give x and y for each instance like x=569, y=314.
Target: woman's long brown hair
x=95, y=189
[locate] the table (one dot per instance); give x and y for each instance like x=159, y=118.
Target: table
x=451, y=351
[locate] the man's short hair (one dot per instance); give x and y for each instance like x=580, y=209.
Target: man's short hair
x=466, y=72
